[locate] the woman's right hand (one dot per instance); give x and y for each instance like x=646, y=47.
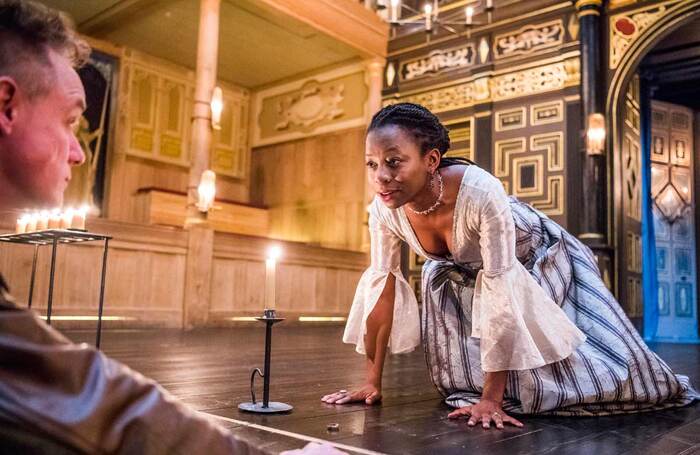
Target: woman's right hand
x=368, y=393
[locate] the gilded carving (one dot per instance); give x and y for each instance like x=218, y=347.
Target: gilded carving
x=529, y=39
x=436, y=62
x=313, y=104
x=535, y=80
x=554, y=76
x=484, y=50
x=390, y=74
x=549, y=112
x=573, y=27
x=446, y=99
x=632, y=163
x=511, y=119
x=625, y=28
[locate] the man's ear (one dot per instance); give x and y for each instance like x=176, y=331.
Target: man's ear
x=8, y=104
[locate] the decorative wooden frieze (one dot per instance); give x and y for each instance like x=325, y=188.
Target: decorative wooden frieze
x=313, y=104
x=540, y=79
x=627, y=27
x=437, y=62
x=449, y=98
x=325, y=102
x=529, y=39
x=531, y=81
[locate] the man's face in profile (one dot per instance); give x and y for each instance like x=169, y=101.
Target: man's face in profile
x=38, y=145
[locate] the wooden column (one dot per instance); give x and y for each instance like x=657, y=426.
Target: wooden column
x=201, y=236
x=594, y=207
x=375, y=83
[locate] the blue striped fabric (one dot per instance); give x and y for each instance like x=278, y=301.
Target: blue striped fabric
x=613, y=372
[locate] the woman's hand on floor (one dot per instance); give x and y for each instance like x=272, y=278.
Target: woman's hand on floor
x=368, y=393
x=485, y=411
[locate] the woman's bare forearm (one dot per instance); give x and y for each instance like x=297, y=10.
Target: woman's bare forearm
x=379, y=325
x=494, y=386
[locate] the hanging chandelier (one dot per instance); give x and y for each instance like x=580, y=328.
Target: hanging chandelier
x=455, y=23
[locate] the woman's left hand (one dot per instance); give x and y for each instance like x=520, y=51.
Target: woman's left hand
x=485, y=412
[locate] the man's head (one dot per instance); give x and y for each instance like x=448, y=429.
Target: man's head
x=41, y=101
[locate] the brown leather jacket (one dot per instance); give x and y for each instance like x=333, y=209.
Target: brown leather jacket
x=76, y=395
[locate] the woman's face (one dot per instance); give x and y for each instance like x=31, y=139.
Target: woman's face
x=395, y=167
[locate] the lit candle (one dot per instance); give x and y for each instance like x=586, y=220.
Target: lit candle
x=489, y=4
x=206, y=191
x=42, y=222
x=217, y=106
x=55, y=219
x=67, y=219
x=22, y=224
x=31, y=222
x=428, y=17
x=273, y=255
x=79, y=218
x=469, y=11
x=394, y=14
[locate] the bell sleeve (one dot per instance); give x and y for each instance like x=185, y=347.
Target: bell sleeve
x=520, y=327
x=385, y=260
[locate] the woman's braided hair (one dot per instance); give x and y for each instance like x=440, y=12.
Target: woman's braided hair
x=422, y=124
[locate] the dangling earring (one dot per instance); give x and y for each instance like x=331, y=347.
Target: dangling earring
x=431, y=181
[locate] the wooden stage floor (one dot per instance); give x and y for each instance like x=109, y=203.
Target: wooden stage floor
x=210, y=370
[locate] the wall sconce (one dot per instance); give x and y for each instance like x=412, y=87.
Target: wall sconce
x=595, y=134
x=217, y=106
x=206, y=191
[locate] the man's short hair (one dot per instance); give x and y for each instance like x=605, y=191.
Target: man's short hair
x=28, y=31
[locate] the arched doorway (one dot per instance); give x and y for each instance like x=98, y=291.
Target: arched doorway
x=633, y=34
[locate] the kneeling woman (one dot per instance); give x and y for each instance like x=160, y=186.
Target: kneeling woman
x=515, y=318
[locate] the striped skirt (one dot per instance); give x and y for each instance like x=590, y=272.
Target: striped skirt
x=613, y=372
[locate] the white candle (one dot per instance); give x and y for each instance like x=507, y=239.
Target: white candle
x=206, y=191
x=469, y=11
x=273, y=255
x=428, y=17
x=22, y=224
x=31, y=222
x=394, y=14
x=67, y=219
x=55, y=219
x=42, y=222
x=79, y=218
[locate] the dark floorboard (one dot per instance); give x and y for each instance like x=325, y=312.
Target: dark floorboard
x=210, y=371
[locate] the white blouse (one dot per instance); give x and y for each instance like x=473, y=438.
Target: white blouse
x=519, y=326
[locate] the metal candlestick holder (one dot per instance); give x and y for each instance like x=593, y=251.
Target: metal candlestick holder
x=265, y=407
x=54, y=237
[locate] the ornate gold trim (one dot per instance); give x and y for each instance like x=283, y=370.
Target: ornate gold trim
x=581, y=3
x=505, y=112
x=554, y=203
x=516, y=35
x=491, y=88
x=518, y=163
x=625, y=28
x=535, y=108
x=588, y=12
